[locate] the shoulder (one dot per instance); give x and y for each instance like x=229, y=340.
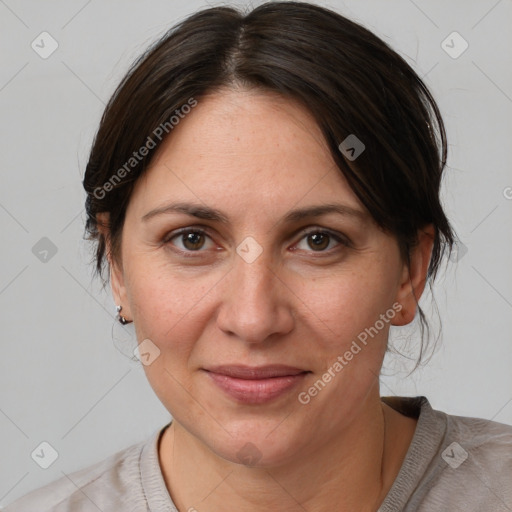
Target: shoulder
x=111, y=484
x=472, y=466
x=484, y=444
x=454, y=463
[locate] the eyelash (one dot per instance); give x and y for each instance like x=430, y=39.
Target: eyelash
x=191, y=254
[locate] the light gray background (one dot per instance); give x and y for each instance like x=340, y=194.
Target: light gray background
x=63, y=379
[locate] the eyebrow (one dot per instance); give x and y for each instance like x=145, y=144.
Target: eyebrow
x=204, y=212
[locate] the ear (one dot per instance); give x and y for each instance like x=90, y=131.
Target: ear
x=414, y=276
x=115, y=268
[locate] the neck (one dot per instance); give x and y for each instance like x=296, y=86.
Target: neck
x=351, y=471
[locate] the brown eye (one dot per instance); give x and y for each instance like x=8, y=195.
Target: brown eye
x=318, y=241
x=322, y=241
x=193, y=240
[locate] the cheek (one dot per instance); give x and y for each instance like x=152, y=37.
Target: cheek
x=172, y=311
x=344, y=304
x=171, y=307
x=344, y=314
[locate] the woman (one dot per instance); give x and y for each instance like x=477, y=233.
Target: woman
x=264, y=192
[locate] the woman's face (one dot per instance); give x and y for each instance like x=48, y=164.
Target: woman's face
x=264, y=284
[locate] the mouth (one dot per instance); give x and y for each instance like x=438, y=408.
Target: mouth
x=256, y=385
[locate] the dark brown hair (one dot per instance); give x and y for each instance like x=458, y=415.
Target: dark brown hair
x=346, y=77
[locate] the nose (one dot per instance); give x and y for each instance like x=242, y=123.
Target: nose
x=256, y=303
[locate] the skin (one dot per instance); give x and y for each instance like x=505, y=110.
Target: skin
x=255, y=157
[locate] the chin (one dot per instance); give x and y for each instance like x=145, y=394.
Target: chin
x=256, y=442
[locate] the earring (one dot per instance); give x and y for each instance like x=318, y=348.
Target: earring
x=119, y=317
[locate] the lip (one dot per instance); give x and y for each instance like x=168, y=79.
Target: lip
x=255, y=385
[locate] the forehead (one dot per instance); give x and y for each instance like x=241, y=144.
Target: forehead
x=255, y=149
